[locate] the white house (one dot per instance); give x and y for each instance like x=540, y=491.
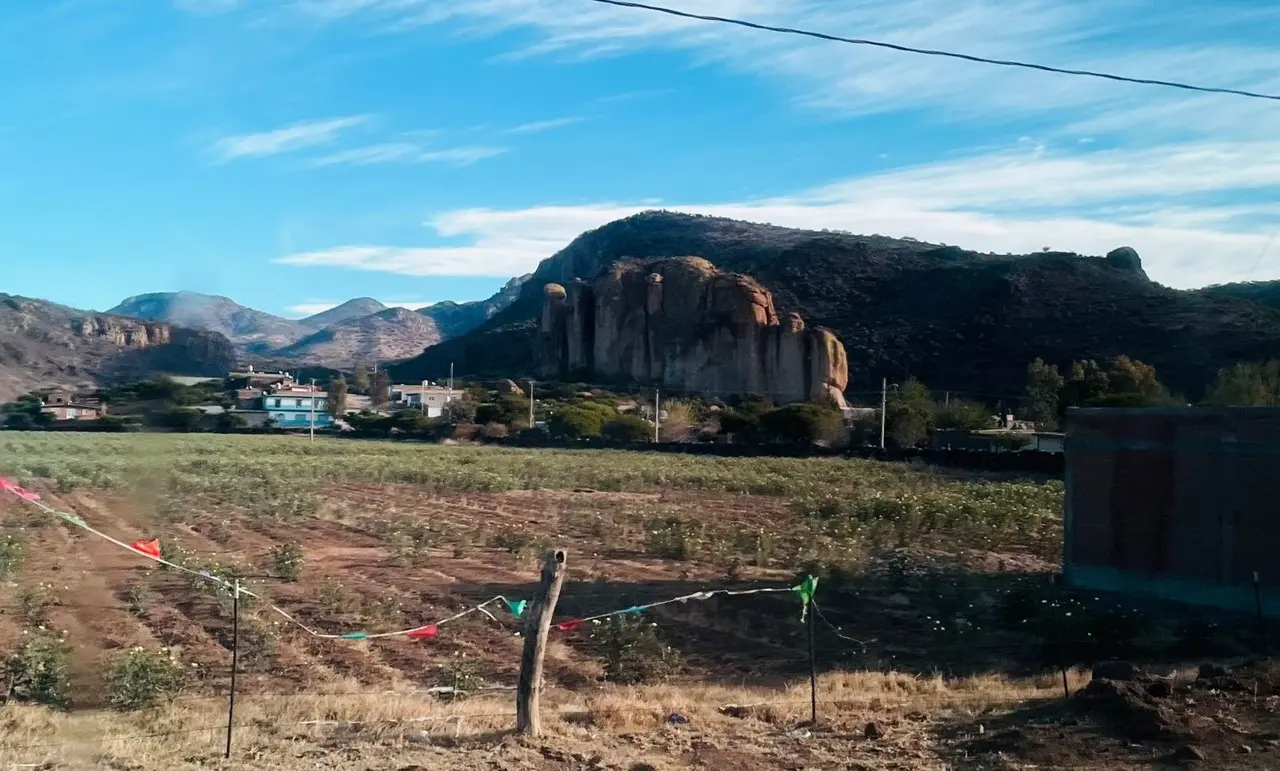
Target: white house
x=432, y=397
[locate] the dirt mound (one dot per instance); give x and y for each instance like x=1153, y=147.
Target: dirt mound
x=1129, y=707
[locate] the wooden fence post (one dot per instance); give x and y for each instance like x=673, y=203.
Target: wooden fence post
x=537, y=626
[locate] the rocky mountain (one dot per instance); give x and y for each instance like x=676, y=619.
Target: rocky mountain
x=394, y=333
x=681, y=323
x=351, y=309
x=251, y=330
x=43, y=344
x=453, y=319
x=954, y=318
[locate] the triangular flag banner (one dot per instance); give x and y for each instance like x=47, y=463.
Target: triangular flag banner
x=516, y=608
x=72, y=518
x=8, y=485
x=423, y=633
x=634, y=610
x=150, y=548
x=354, y=636
x=569, y=626
x=806, y=589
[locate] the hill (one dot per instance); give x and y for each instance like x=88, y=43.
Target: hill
x=252, y=330
x=361, y=306
x=453, y=319
x=43, y=344
x=394, y=333
x=956, y=319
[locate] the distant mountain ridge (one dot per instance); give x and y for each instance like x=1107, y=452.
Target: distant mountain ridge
x=956, y=319
x=43, y=345
x=360, y=329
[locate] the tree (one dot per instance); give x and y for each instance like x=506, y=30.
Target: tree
x=380, y=391
x=909, y=414
x=1129, y=376
x=337, y=397
x=803, y=423
x=1087, y=384
x=360, y=379
x=1044, y=390
x=508, y=409
x=459, y=411
x=678, y=422
x=964, y=416
x=229, y=421
x=1247, y=384
x=743, y=421
x=574, y=422
x=19, y=421
x=628, y=428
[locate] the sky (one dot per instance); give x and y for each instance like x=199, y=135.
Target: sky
x=292, y=154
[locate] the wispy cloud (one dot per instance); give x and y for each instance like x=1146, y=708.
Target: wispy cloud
x=407, y=153
x=995, y=202
x=297, y=136
x=539, y=126
x=1118, y=35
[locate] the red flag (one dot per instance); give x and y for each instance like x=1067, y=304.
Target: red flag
x=150, y=548
x=423, y=632
x=569, y=626
x=8, y=486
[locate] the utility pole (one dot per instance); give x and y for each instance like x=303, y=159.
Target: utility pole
x=656, y=416
x=531, y=404
x=451, y=378
x=313, y=409
x=422, y=398
x=884, y=399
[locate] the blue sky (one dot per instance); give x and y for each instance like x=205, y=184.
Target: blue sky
x=292, y=154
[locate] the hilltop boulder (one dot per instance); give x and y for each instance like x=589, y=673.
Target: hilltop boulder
x=682, y=323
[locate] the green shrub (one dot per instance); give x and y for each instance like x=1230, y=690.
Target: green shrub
x=141, y=678
x=11, y=552
x=632, y=651
x=803, y=423
x=628, y=428
x=136, y=598
x=576, y=422
x=462, y=675
x=286, y=560
x=672, y=538
x=37, y=671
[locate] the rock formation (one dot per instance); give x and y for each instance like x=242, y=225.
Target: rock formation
x=681, y=323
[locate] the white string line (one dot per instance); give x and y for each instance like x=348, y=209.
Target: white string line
x=231, y=586
x=704, y=595
x=79, y=522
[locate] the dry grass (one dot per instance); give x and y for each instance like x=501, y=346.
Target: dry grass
x=300, y=731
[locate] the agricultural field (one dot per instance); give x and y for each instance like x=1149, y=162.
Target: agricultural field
x=940, y=638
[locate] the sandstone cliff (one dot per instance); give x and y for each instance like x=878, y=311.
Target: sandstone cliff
x=43, y=344
x=682, y=323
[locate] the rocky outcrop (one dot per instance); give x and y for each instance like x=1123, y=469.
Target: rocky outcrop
x=682, y=323
x=121, y=331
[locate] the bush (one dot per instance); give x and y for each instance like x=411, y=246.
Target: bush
x=37, y=672
x=672, y=538
x=497, y=431
x=628, y=428
x=228, y=422
x=141, y=678
x=575, y=423
x=964, y=416
x=286, y=559
x=11, y=549
x=632, y=651
x=462, y=675
x=803, y=423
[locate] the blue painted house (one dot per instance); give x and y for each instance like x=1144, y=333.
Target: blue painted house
x=297, y=408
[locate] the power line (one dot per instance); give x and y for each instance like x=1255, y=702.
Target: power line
x=945, y=54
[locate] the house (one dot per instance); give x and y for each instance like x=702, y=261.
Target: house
x=297, y=406
x=64, y=405
x=251, y=378
x=429, y=398
x=998, y=440
x=248, y=398
x=1176, y=503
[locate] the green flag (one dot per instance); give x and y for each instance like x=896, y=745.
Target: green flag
x=806, y=589
x=516, y=608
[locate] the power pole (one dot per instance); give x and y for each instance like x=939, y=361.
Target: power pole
x=450, y=378
x=530, y=404
x=422, y=398
x=656, y=416
x=313, y=409
x=884, y=399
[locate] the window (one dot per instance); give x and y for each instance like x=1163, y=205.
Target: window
x=297, y=402
x=277, y=404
